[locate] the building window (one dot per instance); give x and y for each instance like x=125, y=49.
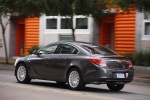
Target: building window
x=147, y=28
x=81, y=23
x=65, y=23
x=147, y=23
x=147, y=15
x=51, y=23
x=66, y=37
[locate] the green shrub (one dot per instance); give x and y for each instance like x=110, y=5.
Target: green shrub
x=34, y=47
x=147, y=58
x=131, y=56
x=142, y=58
x=139, y=58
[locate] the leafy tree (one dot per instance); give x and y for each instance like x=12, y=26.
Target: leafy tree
x=70, y=8
x=141, y=5
x=5, y=18
x=10, y=9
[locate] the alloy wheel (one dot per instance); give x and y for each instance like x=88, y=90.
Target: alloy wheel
x=21, y=73
x=74, y=79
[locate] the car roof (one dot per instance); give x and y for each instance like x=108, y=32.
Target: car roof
x=76, y=43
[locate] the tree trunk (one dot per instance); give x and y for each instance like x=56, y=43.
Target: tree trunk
x=73, y=34
x=3, y=26
x=72, y=28
x=5, y=47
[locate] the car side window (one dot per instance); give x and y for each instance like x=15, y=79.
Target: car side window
x=99, y=50
x=67, y=49
x=49, y=50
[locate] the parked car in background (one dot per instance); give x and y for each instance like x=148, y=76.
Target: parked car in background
x=76, y=64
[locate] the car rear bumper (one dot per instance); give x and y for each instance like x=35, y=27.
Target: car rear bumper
x=108, y=80
x=103, y=75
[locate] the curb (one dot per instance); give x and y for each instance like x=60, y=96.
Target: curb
x=141, y=80
x=6, y=67
x=142, y=68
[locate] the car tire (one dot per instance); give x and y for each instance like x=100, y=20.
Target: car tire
x=115, y=87
x=21, y=74
x=74, y=80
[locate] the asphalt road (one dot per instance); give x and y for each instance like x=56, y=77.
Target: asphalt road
x=48, y=90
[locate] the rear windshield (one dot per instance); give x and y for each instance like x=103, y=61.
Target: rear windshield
x=99, y=50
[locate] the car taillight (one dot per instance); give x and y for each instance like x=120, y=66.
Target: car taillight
x=130, y=64
x=97, y=61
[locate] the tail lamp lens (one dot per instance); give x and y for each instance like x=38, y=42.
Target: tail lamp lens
x=97, y=61
x=130, y=64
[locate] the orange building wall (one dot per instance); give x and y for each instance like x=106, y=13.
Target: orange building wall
x=19, y=36
x=31, y=33
x=105, y=29
x=124, y=32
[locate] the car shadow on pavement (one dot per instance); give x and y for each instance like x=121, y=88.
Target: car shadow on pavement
x=86, y=89
x=50, y=84
x=100, y=90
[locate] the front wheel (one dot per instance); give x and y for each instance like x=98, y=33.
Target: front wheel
x=115, y=87
x=22, y=74
x=74, y=80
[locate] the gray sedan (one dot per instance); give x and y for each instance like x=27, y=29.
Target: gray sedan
x=76, y=64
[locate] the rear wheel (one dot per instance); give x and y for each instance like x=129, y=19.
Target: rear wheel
x=22, y=74
x=74, y=79
x=115, y=87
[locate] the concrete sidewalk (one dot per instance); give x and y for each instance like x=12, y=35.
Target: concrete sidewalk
x=11, y=60
x=140, y=72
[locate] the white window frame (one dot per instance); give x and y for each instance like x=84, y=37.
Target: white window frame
x=67, y=31
x=50, y=19
x=51, y=30
x=144, y=36
x=80, y=18
x=60, y=22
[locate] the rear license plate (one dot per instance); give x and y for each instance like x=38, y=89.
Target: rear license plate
x=120, y=75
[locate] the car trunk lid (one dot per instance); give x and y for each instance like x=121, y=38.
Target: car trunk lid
x=116, y=62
